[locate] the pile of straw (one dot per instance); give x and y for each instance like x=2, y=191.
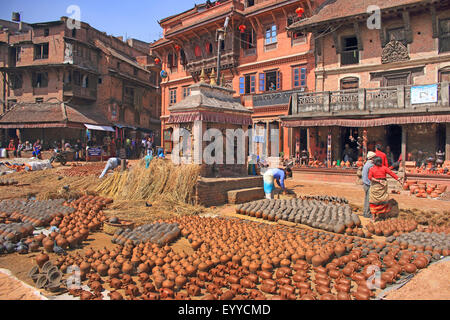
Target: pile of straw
x=162, y=181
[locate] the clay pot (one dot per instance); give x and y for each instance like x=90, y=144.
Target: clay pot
x=127, y=267
x=41, y=259
x=48, y=245
x=102, y=269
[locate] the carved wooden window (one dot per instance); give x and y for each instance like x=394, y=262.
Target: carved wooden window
x=198, y=51
x=209, y=48
x=349, y=83
x=350, y=52
x=250, y=3
x=444, y=35
x=394, y=80
x=397, y=34
x=183, y=59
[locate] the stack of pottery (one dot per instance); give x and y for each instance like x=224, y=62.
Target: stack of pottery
x=159, y=233
x=326, y=215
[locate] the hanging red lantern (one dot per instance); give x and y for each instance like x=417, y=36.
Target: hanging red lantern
x=242, y=28
x=177, y=47
x=299, y=11
x=157, y=60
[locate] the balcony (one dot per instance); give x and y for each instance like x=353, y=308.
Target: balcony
x=79, y=92
x=227, y=60
x=274, y=97
x=366, y=101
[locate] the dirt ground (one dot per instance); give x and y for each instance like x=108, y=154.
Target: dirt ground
x=430, y=283
x=355, y=195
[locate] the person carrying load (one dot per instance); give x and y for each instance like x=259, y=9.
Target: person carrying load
x=379, y=197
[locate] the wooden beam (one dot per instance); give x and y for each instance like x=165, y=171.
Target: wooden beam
x=259, y=23
x=253, y=25
x=273, y=16
x=285, y=13
x=308, y=2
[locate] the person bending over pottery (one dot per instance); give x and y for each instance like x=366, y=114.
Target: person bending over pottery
x=272, y=175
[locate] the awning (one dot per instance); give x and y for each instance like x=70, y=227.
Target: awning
x=144, y=130
x=121, y=126
x=364, y=122
x=99, y=128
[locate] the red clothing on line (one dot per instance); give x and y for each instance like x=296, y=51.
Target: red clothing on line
x=383, y=157
x=380, y=173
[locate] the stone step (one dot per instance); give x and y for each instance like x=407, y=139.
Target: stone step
x=245, y=195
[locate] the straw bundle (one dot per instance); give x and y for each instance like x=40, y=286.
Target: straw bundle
x=162, y=181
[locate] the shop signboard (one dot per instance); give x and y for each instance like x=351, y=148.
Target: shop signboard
x=424, y=94
x=93, y=152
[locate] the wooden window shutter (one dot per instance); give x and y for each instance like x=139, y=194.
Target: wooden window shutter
x=252, y=83
x=262, y=82
x=241, y=85
x=278, y=80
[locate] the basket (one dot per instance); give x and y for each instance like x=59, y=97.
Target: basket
x=111, y=228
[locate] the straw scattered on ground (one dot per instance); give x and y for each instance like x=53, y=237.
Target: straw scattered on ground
x=144, y=195
x=161, y=181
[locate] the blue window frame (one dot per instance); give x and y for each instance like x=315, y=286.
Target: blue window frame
x=271, y=35
x=299, y=77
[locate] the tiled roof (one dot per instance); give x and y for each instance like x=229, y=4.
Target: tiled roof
x=340, y=9
x=53, y=112
x=108, y=50
x=209, y=97
x=217, y=12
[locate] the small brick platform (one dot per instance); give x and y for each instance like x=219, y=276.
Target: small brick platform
x=325, y=175
x=245, y=195
x=214, y=191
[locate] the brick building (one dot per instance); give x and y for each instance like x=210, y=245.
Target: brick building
x=390, y=83
x=262, y=62
x=56, y=81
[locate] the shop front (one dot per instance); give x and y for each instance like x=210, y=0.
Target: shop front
x=337, y=136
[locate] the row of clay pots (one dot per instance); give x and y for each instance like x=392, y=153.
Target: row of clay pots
x=233, y=257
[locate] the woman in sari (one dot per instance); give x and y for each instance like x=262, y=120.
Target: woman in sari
x=378, y=193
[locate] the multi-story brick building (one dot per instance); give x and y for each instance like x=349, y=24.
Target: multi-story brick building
x=385, y=73
x=56, y=80
x=262, y=62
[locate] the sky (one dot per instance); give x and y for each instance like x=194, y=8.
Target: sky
x=132, y=19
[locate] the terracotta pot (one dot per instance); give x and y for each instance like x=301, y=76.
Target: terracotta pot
x=41, y=259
